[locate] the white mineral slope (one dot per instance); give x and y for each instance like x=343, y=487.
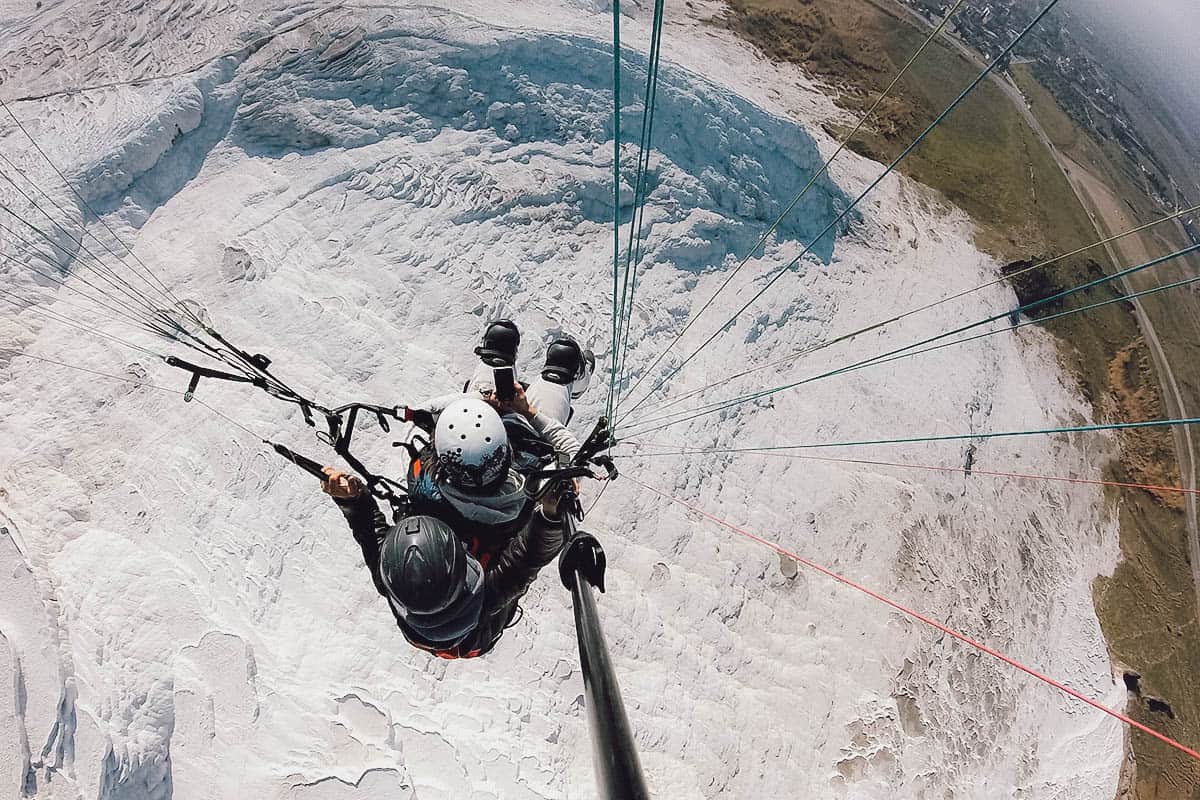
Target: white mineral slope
x=354, y=191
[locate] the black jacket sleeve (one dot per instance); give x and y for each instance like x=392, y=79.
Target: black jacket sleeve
x=519, y=563
x=369, y=526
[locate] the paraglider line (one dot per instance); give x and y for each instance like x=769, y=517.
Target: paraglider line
x=134, y=382
x=65, y=320
x=910, y=350
x=845, y=337
x=795, y=200
x=1115, y=426
x=850, y=208
x=983, y=648
x=83, y=201
x=1149, y=487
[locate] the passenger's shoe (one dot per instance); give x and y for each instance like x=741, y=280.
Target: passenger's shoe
x=500, y=343
x=569, y=365
x=564, y=361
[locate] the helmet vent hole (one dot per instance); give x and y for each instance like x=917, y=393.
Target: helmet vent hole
x=464, y=436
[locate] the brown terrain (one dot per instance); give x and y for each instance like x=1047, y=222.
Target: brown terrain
x=1037, y=185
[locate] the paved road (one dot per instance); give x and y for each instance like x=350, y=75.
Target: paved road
x=1107, y=217
x=1107, y=214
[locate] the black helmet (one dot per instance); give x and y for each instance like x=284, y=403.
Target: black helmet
x=435, y=585
x=423, y=564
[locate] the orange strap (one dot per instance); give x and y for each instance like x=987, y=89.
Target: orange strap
x=451, y=655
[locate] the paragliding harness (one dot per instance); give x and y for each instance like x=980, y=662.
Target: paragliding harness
x=339, y=422
x=581, y=562
x=581, y=552
x=531, y=454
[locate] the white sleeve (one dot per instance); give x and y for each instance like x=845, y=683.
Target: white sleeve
x=436, y=405
x=556, y=435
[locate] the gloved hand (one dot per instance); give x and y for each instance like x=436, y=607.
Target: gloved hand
x=341, y=485
x=550, y=503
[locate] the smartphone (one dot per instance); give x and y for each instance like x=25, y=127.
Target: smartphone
x=505, y=381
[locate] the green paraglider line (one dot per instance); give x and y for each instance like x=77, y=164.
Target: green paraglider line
x=1118, y=426
x=633, y=252
x=845, y=337
x=909, y=350
x=612, y=382
x=812, y=181
x=850, y=208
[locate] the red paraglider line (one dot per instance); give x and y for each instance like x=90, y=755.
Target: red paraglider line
x=983, y=648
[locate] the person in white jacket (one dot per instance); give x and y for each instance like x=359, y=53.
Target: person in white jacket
x=471, y=474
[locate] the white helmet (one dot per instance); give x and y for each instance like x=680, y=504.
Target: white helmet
x=472, y=445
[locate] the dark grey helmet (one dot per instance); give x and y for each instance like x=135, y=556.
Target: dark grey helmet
x=434, y=585
x=423, y=564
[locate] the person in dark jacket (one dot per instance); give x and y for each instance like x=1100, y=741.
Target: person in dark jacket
x=470, y=540
x=448, y=598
